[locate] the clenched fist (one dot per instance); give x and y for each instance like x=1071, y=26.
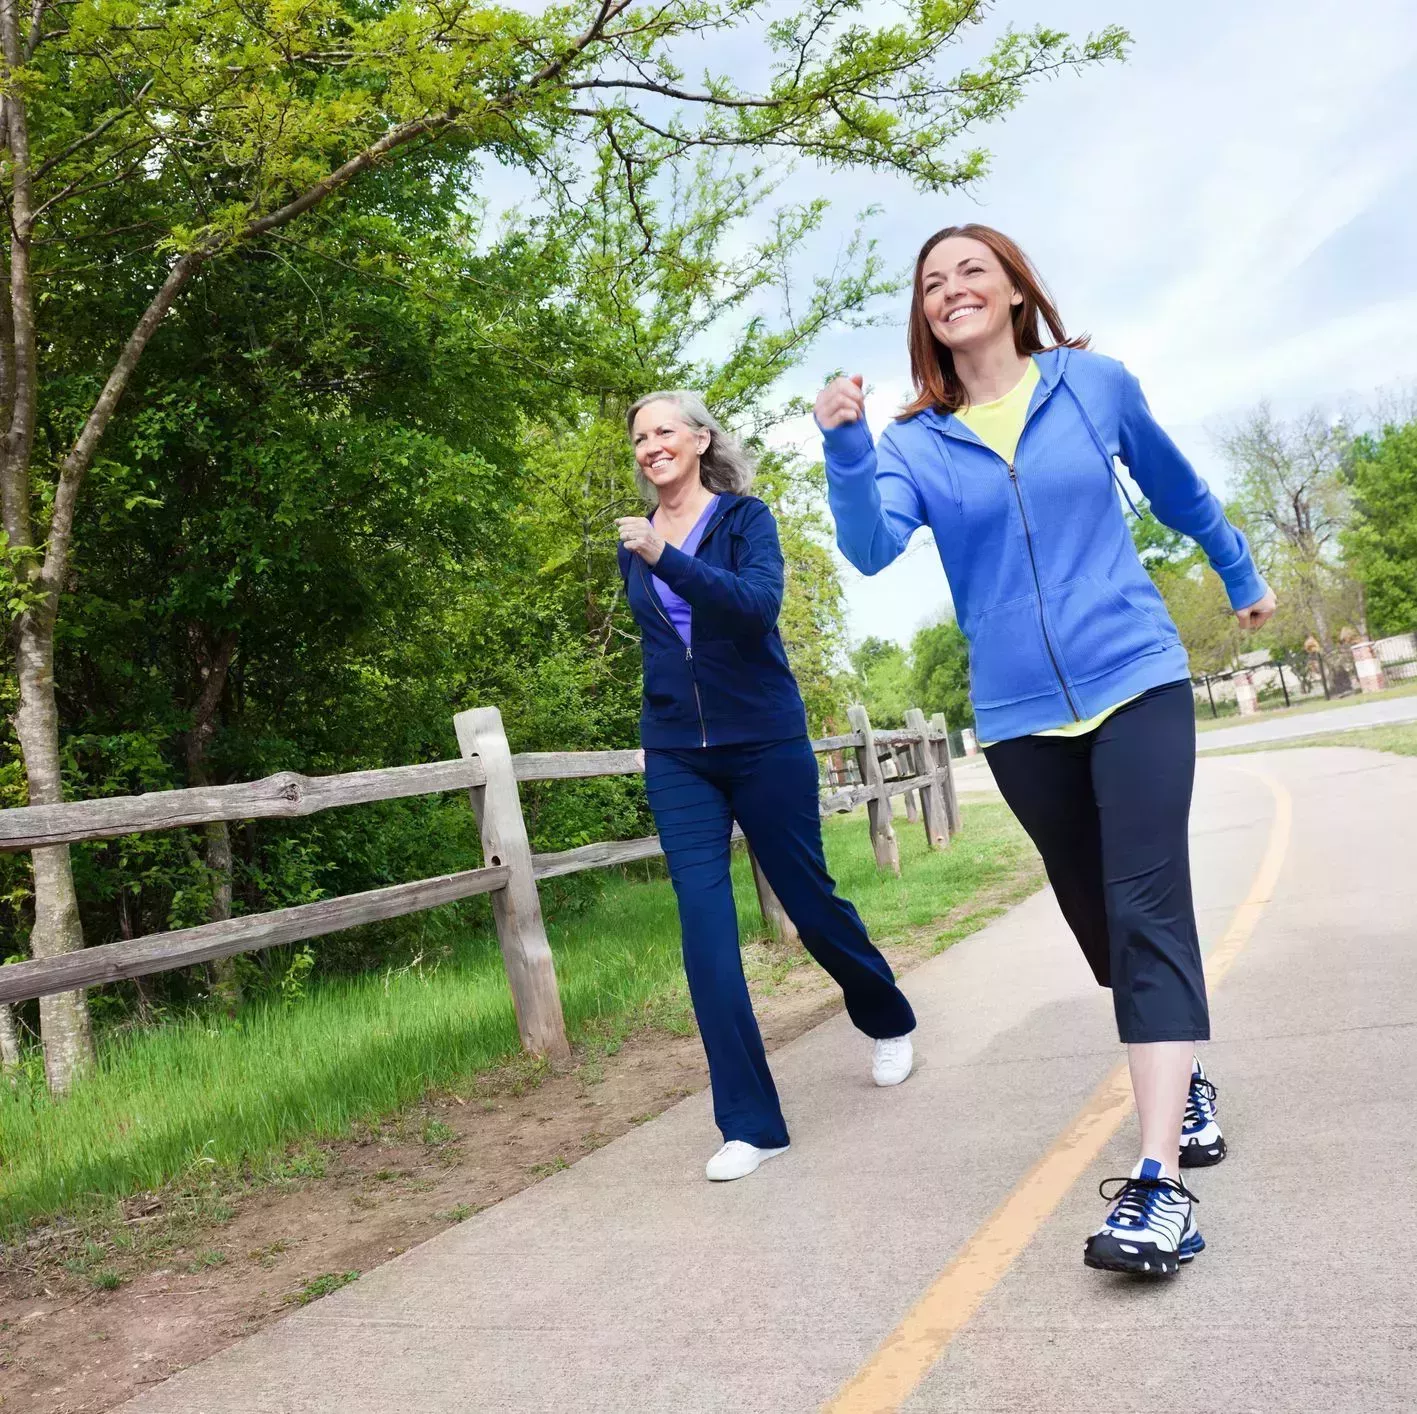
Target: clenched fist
x=1254, y=615
x=841, y=401
x=640, y=537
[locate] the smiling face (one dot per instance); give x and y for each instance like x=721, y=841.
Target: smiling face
x=667, y=448
x=967, y=295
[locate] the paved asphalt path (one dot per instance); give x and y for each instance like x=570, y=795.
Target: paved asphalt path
x=1257, y=732
x=884, y=1256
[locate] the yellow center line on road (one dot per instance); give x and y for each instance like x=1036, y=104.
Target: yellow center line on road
x=904, y=1358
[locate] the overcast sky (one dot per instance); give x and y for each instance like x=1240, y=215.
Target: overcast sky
x=1232, y=213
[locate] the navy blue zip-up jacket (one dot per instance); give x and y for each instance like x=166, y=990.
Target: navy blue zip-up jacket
x=733, y=685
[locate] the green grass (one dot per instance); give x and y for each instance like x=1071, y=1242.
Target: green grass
x=320, y=1286
x=1400, y=738
x=1206, y=723
x=247, y=1099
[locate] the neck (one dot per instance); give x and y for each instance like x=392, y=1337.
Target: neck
x=990, y=372
x=684, y=499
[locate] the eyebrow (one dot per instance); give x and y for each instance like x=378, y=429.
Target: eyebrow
x=959, y=264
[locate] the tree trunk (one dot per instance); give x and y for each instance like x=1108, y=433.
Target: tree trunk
x=213, y=668
x=63, y=1018
x=226, y=977
x=9, y=1044
x=1340, y=681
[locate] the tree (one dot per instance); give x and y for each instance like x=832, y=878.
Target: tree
x=1380, y=544
x=1200, y=609
x=1195, y=598
x=1295, y=501
x=883, y=682
x=939, y=661
x=158, y=140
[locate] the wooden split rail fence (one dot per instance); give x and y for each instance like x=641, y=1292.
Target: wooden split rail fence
x=918, y=758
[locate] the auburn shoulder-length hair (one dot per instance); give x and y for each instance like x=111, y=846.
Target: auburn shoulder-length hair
x=932, y=367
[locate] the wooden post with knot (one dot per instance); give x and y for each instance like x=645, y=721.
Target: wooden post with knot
x=517, y=907
x=878, y=807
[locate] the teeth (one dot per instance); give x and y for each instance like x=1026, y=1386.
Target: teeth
x=962, y=311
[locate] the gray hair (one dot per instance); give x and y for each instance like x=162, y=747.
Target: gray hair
x=724, y=465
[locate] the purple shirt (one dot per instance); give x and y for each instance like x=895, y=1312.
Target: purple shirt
x=680, y=615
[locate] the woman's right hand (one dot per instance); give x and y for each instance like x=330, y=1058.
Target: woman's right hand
x=841, y=401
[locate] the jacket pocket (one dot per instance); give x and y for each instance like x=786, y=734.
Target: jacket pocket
x=730, y=686
x=668, y=687
x=1008, y=655
x=1099, y=631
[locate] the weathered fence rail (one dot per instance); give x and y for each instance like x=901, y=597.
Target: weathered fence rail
x=918, y=759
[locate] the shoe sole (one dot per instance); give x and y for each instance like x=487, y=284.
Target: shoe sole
x=1202, y=1156
x=734, y=1177
x=890, y=1084
x=1107, y=1254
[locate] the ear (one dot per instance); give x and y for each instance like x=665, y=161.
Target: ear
x=704, y=438
x=1017, y=299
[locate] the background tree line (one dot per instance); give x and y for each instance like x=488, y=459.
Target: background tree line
x=1330, y=508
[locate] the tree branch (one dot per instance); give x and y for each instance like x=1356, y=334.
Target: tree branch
x=77, y=462
x=667, y=90
x=50, y=163
x=640, y=219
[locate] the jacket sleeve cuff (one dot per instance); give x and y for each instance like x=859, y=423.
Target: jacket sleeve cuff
x=1244, y=584
x=847, y=444
x=673, y=567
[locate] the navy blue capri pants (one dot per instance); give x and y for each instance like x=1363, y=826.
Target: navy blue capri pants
x=1109, y=813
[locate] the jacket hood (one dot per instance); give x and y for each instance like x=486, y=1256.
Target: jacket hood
x=1051, y=363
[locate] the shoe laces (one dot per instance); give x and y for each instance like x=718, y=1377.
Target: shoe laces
x=1137, y=1198
x=1200, y=1102
x=891, y=1047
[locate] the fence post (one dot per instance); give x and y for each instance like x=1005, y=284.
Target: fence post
x=942, y=756
x=932, y=797
x=774, y=914
x=878, y=808
x=901, y=755
x=516, y=908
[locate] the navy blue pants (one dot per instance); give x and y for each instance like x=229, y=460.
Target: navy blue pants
x=1108, y=812
x=770, y=788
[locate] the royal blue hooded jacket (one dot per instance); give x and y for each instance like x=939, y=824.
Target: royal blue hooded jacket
x=733, y=685
x=1062, y=620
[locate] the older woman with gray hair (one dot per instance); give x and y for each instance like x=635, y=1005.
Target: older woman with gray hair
x=725, y=739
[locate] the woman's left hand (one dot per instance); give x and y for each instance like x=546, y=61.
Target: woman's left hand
x=1255, y=615
x=640, y=537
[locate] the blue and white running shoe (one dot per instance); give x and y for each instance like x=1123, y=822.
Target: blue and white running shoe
x=1151, y=1229
x=1202, y=1143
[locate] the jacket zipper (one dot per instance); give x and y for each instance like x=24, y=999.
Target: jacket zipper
x=1038, y=589
x=688, y=651
x=1028, y=536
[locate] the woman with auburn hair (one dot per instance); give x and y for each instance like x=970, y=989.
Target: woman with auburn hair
x=725, y=739
x=1080, y=684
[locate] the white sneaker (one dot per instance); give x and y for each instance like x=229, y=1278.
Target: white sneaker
x=737, y=1160
x=892, y=1060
